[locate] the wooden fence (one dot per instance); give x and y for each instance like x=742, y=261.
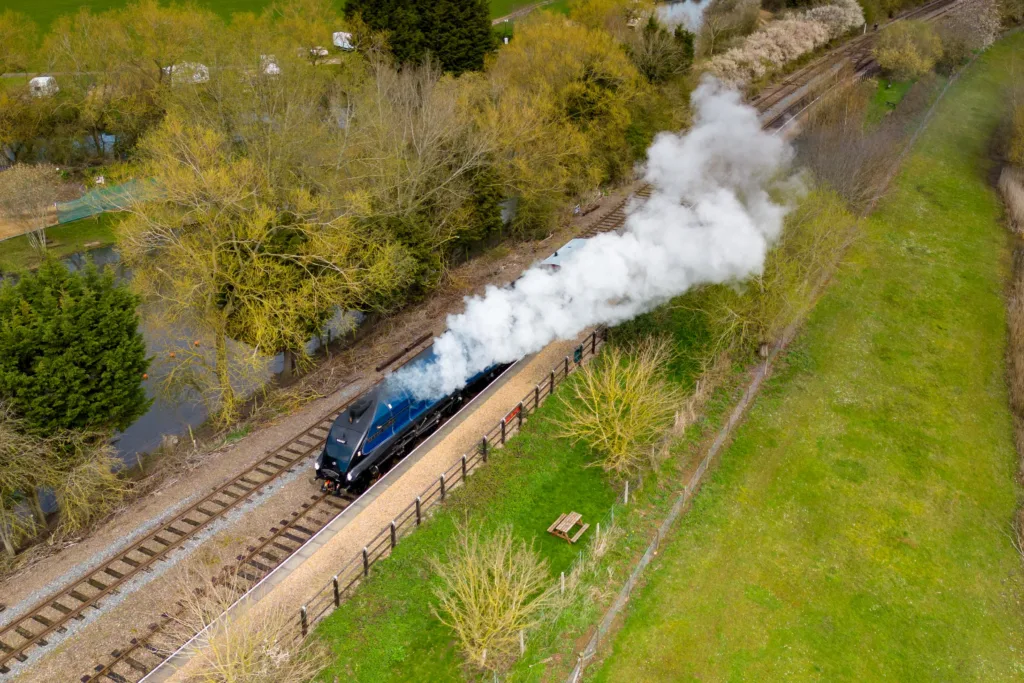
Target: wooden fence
x=331, y=595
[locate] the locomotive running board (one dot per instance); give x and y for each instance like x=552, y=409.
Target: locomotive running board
x=181, y=656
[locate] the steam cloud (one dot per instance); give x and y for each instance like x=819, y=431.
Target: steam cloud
x=709, y=219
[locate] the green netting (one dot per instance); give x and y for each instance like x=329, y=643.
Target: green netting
x=100, y=200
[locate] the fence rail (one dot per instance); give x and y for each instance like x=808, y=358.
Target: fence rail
x=349, y=576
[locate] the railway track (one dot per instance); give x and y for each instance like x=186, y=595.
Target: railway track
x=131, y=663
x=857, y=53
x=53, y=614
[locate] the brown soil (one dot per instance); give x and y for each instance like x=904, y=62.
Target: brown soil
x=114, y=625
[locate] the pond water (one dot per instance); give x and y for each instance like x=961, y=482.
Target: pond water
x=174, y=418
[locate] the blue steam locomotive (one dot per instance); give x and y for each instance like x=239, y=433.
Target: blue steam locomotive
x=386, y=422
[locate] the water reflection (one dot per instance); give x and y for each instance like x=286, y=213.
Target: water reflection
x=167, y=418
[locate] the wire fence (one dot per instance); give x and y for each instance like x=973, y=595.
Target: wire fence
x=348, y=578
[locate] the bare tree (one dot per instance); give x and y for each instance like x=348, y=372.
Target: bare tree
x=25, y=467
x=249, y=645
x=621, y=404
x=723, y=20
x=755, y=315
x=491, y=588
x=28, y=194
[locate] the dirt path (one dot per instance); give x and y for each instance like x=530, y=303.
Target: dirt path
x=73, y=654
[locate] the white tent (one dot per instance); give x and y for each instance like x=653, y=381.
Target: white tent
x=343, y=40
x=268, y=65
x=187, y=72
x=43, y=86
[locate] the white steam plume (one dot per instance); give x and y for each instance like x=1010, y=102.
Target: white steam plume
x=709, y=219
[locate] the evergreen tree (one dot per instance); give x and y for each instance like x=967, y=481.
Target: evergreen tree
x=457, y=33
x=71, y=354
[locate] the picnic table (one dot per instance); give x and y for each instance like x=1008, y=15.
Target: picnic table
x=564, y=524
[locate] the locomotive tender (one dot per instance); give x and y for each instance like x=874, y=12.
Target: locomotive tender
x=386, y=422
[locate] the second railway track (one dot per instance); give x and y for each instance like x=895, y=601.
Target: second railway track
x=53, y=614
x=141, y=655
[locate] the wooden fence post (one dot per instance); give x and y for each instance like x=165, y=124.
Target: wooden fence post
x=483, y=448
x=366, y=563
x=337, y=592
x=502, y=431
x=552, y=389
x=394, y=535
x=419, y=515
x=463, y=466
x=567, y=366
x=536, y=397
x=520, y=415
x=304, y=620
x=442, y=487
x=593, y=343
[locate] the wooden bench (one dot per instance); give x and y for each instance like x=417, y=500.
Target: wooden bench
x=564, y=524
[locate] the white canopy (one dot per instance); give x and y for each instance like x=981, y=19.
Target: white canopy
x=343, y=40
x=43, y=86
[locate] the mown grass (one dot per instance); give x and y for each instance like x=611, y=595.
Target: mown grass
x=44, y=13
x=17, y=254
x=858, y=527
x=886, y=98
x=387, y=632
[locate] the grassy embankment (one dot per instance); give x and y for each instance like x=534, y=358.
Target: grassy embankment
x=858, y=527
x=387, y=631
x=17, y=254
x=44, y=13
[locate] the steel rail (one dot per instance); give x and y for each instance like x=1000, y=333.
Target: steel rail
x=52, y=614
x=132, y=663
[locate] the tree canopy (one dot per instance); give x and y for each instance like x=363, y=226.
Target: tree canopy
x=457, y=33
x=71, y=354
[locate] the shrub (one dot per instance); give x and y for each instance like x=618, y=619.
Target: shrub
x=491, y=588
x=621, y=404
x=908, y=49
x=252, y=646
x=783, y=41
x=89, y=488
x=839, y=17
x=757, y=313
x=769, y=49
x=969, y=26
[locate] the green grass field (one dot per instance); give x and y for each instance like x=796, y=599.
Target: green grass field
x=46, y=11
x=858, y=527
x=887, y=96
x=17, y=254
x=387, y=632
